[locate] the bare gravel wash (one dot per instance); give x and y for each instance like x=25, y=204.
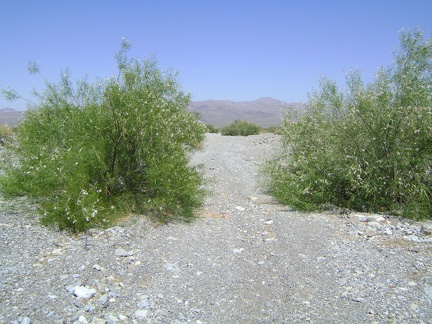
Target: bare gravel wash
x=246, y=260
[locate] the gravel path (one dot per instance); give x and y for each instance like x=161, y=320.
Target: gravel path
x=246, y=260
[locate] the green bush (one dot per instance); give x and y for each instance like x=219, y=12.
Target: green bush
x=240, y=128
x=92, y=152
x=366, y=148
x=212, y=129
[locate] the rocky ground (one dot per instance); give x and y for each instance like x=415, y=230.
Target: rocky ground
x=247, y=259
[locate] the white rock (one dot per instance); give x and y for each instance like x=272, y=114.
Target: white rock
x=81, y=320
x=376, y=218
x=26, y=320
x=142, y=313
x=240, y=208
x=171, y=267
x=83, y=292
x=413, y=238
x=388, y=231
x=123, y=253
x=428, y=291
x=97, y=267
x=103, y=299
x=268, y=222
x=375, y=225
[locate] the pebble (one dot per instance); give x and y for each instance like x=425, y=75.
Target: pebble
x=426, y=227
x=26, y=320
x=83, y=292
x=141, y=313
x=171, y=267
x=81, y=320
x=428, y=291
x=123, y=253
x=373, y=225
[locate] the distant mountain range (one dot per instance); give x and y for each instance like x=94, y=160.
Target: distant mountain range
x=264, y=112
x=10, y=117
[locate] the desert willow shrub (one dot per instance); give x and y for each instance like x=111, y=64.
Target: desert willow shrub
x=367, y=148
x=240, y=128
x=89, y=153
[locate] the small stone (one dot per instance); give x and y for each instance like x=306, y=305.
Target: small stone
x=388, y=231
x=171, y=267
x=140, y=314
x=26, y=320
x=428, y=291
x=240, y=208
x=70, y=289
x=81, y=320
x=145, y=303
x=123, y=253
x=361, y=217
x=375, y=225
x=268, y=222
x=376, y=218
x=253, y=198
x=97, y=320
x=78, y=303
x=413, y=238
x=89, y=307
x=103, y=299
x=426, y=228
x=97, y=267
x=160, y=312
x=238, y=250
x=83, y=292
x=111, y=319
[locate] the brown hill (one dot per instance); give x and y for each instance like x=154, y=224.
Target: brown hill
x=264, y=112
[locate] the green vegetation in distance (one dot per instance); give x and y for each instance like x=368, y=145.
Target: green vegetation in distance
x=240, y=128
x=91, y=153
x=367, y=147
x=212, y=129
x=5, y=132
x=271, y=129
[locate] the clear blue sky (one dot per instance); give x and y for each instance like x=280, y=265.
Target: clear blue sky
x=234, y=49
